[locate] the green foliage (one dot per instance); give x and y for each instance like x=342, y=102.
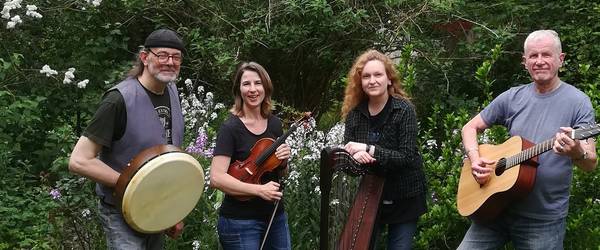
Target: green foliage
x=302, y=203
x=21, y=117
x=442, y=160
x=24, y=218
x=453, y=58
x=483, y=74
x=406, y=69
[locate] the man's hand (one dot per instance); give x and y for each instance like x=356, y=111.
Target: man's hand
x=175, y=231
x=481, y=172
x=564, y=145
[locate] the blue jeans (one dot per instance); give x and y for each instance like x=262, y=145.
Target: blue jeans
x=525, y=233
x=239, y=234
x=120, y=236
x=400, y=235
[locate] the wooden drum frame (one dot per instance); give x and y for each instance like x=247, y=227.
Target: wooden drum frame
x=159, y=188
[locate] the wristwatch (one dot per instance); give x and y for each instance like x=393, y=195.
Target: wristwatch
x=585, y=155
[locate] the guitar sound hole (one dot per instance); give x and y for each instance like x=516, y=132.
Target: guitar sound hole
x=500, y=167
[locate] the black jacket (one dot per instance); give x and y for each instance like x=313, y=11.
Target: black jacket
x=396, y=152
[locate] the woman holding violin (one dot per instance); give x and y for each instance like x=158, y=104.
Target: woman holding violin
x=245, y=213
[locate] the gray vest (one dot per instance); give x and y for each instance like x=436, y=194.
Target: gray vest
x=143, y=129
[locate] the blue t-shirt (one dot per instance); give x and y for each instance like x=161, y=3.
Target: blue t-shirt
x=538, y=117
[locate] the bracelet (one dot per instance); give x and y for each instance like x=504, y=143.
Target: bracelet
x=367, y=146
x=371, y=147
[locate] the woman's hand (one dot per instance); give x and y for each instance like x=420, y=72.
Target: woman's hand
x=283, y=152
x=353, y=147
x=363, y=157
x=269, y=191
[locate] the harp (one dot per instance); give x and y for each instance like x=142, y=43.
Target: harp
x=360, y=221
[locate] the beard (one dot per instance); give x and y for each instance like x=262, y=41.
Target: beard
x=165, y=78
x=162, y=76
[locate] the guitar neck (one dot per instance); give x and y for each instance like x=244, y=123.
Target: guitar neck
x=529, y=153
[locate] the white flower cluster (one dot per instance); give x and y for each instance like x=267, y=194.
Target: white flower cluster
x=69, y=76
x=335, y=136
x=302, y=137
x=306, y=144
x=85, y=213
x=198, y=113
x=96, y=3
x=431, y=144
x=83, y=84
x=195, y=245
x=31, y=11
x=485, y=136
x=48, y=71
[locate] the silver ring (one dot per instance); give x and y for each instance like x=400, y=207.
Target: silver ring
x=562, y=148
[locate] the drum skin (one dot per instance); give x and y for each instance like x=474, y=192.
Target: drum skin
x=159, y=188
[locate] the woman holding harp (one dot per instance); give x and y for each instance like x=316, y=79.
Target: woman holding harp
x=381, y=130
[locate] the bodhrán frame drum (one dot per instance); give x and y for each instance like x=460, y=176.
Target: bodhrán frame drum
x=159, y=188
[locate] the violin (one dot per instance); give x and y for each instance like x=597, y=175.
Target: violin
x=262, y=158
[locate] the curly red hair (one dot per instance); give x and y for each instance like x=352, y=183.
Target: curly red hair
x=354, y=93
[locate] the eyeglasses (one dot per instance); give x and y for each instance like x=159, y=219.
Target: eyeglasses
x=163, y=57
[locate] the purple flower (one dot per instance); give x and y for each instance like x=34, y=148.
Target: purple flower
x=200, y=146
x=55, y=193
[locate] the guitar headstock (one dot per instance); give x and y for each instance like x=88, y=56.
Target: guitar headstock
x=585, y=131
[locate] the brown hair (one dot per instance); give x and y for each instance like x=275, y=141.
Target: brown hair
x=354, y=93
x=266, y=106
x=138, y=65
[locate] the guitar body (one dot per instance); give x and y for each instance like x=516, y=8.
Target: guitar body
x=483, y=203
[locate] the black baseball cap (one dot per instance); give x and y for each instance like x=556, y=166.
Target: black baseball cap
x=164, y=38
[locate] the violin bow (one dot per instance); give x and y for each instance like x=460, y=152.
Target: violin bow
x=306, y=115
x=269, y=226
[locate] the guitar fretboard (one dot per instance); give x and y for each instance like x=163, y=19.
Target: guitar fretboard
x=529, y=153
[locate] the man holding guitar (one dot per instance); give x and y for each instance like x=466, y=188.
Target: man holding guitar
x=544, y=109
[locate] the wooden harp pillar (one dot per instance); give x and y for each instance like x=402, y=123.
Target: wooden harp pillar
x=358, y=229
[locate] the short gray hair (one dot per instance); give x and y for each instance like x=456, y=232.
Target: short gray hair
x=538, y=34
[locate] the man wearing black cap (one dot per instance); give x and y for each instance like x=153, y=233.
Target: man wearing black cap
x=140, y=112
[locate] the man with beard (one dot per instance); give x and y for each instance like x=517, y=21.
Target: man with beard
x=140, y=112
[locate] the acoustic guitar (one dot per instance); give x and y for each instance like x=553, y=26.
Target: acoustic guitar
x=513, y=177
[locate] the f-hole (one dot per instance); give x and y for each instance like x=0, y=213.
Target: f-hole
x=500, y=166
